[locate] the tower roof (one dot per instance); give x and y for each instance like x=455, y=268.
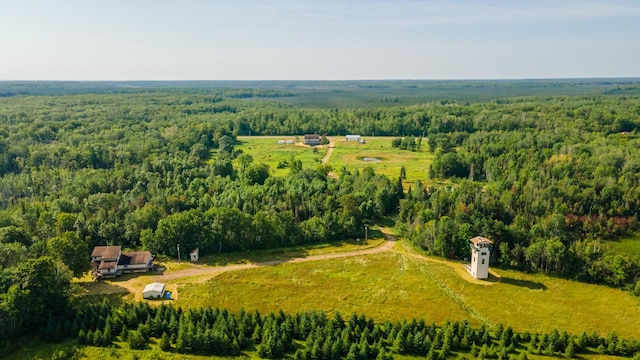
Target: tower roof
x=480, y=240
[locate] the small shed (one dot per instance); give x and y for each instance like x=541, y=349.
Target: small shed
x=353, y=138
x=153, y=291
x=280, y=142
x=194, y=255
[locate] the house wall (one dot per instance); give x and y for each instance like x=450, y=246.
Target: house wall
x=152, y=295
x=132, y=268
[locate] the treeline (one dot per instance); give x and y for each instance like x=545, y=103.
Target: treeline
x=310, y=335
x=307, y=206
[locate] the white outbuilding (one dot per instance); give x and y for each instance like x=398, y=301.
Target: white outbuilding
x=153, y=291
x=194, y=255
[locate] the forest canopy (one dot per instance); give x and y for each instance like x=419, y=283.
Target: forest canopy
x=550, y=179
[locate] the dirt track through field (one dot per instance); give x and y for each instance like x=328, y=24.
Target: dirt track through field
x=202, y=273
x=327, y=157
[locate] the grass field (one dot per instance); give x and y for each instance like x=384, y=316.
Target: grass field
x=266, y=150
x=628, y=247
x=398, y=285
x=350, y=155
x=395, y=285
x=388, y=161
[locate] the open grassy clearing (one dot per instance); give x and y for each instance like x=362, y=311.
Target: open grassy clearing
x=628, y=247
x=395, y=286
x=350, y=155
x=378, y=154
x=265, y=149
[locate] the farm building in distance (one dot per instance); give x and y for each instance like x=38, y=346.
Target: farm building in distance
x=153, y=291
x=357, y=138
x=480, y=253
x=312, y=139
x=110, y=261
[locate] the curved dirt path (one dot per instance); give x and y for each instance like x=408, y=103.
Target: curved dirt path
x=202, y=273
x=213, y=270
x=327, y=157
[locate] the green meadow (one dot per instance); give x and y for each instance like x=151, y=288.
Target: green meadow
x=628, y=247
x=398, y=285
x=376, y=153
x=266, y=150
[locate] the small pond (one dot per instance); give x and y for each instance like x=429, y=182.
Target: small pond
x=371, y=159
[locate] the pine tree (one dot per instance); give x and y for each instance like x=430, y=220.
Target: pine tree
x=81, y=337
x=137, y=341
x=164, y=344
x=97, y=338
x=106, y=337
x=124, y=333
x=569, y=351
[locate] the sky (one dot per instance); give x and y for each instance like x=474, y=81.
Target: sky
x=318, y=40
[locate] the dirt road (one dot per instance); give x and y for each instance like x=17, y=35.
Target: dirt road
x=213, y=270
x=327, y=157
x=134, y=284
x=201, y=273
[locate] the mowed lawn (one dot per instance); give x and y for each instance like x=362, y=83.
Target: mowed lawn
x=396, y=286
x=378, y=154
x=266, y=150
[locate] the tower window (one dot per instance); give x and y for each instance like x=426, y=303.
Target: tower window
x=482, y=261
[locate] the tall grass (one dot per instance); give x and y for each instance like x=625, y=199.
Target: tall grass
x=398, y=286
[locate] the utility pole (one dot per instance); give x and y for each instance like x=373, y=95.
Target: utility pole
x=366, y=228
x=178, y=252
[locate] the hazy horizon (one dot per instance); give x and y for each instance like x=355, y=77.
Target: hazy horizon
x=251, y=40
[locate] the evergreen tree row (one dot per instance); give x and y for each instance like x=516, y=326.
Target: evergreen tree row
x=311, y=335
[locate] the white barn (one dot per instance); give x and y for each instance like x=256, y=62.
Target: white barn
x=480, y=253
x=353, y=138
x=153, y=291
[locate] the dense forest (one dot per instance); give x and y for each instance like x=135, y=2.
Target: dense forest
x=549, y=179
